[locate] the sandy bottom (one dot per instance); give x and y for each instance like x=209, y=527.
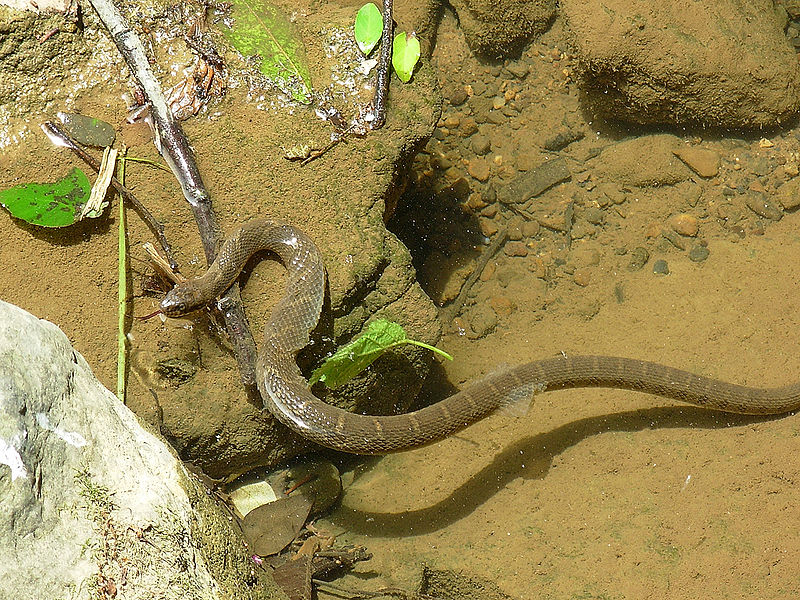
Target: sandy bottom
x=604, y=493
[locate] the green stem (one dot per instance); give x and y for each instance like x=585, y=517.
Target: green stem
x=122, y=295
x=145, y=161
x=422, y=345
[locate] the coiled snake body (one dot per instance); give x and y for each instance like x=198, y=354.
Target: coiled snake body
x=286, y=394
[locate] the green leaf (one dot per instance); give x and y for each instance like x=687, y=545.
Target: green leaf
x=49, y=204
x=262, y=29
x=368, y=27
x=349, y=360
x=405, y=54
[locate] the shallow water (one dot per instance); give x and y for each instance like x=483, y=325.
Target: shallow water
x=600, y=493
x=595, y=493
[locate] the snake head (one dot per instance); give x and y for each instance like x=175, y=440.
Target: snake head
x=181, y=299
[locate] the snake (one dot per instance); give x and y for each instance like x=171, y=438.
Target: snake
x=285, y=392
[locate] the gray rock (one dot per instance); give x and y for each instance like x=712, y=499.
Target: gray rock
x=643, y=161
x=723, y=64
x=92, y=505
x=534, y=182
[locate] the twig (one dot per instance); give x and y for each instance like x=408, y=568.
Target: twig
x=384, y=68
x=58, y=135
x=174, y=148
x=450, y=312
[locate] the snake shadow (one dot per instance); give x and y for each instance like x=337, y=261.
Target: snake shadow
x=530, y=458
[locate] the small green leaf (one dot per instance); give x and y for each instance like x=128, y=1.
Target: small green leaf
x=405, y=54
x=368, y=27
x=349, y=360
x=262, y=29
x=49, y=204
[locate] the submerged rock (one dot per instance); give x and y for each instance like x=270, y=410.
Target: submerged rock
x=722, y=64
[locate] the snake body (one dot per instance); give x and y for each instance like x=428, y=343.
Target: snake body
x=286, y=394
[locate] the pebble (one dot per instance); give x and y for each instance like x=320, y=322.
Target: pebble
x=457, y=95
x=702, y=161
x=488, y=272
x=698, y=253
x=475, y=202
x=530, y=229
x=582, y=276
x=594, y=215
x=518, y=69
x=496, y=117
x=660, y=267
x=789, y=195
x=502, y=306
x=468, y=127
x=684, y=224
x=478, y=168
x=515, y=249
x=761, y=205
x=482, y=321
x=480, y=144
x=639, y=258
x=537, y=267
x=488, y=227
x=498, y=102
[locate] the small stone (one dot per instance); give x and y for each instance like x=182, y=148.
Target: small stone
x=502, y=306
x=530, y=229
x=660, y=267
x=515, y=249
x=490, y=211
x=765, y=143
x=468, y=127
x=537, y=267
x=702, y=161
x=763, y=206
x=457, y=95
x=789, y=195
x=639, y=258
x=582, y=276
x=478, y=168
x=518, y=69
x=452, y=122
x=684, y=224
x=475, y=202
x=514, y=228
x=480, y=144
x=488, y=227
x=594, y=215
x=498, y=102
x=698, y=253
x=482, y=321
x=488, y=272
x=496, y=117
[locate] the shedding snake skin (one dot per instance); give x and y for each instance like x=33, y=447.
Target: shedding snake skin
x=287, y=396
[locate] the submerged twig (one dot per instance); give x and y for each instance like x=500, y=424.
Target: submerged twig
x=451, y=312
x=58, y=135
x=384, y=68
x=174, y=148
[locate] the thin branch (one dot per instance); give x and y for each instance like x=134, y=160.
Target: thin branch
x=58, y=135
x=384, y=68
x=174, y=148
